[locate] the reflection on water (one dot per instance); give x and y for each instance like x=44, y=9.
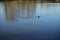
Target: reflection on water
x=23, y=9
x=28, y=9
x=43, y=21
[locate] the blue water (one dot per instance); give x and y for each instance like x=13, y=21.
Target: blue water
x=47, y=27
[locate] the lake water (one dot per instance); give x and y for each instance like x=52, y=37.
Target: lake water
x=29, y=21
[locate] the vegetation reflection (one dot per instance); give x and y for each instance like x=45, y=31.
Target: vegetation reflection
x=14, y=9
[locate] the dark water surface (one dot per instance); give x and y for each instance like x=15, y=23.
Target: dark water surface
x=29, y=21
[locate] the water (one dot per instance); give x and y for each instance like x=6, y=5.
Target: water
x=21, y=22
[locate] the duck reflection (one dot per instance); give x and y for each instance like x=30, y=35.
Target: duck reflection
x=20, y=9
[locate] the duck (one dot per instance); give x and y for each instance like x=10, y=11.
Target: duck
x=38, y=16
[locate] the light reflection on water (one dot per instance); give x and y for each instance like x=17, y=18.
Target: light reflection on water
x=22, y=19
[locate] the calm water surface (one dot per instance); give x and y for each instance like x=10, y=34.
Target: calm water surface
x=21, y=21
